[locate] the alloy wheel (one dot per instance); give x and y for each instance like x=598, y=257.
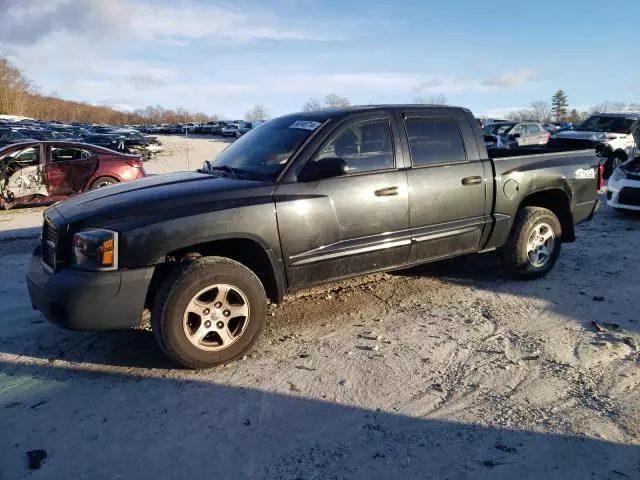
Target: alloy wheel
x=216, y=317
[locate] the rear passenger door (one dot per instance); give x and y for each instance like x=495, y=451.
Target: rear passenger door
x=68, y=169
x=448, y=205
x=537, y=134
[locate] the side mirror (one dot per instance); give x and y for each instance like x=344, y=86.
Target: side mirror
x=321, y=169
x=515, y=135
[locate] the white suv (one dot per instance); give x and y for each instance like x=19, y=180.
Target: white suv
x=613, y=133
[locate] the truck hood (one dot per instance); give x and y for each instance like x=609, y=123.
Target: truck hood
x=595, y=136
x=156, y=195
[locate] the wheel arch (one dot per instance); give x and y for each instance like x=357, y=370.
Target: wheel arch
x=245, y=250
x=558, y=201
x=92, y=179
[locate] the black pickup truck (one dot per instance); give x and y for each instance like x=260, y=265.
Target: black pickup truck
x=301, y=200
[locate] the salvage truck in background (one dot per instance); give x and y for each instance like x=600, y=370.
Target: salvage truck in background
x=304, y=199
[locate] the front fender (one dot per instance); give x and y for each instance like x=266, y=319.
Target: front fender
x=149, y=243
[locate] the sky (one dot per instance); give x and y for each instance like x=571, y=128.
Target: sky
x=223, y=57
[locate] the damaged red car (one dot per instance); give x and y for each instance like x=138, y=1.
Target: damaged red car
x=37, y=173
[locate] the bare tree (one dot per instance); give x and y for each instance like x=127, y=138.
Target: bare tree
x=333, y=100
x=608, y=106
x=14, y=88
x=541, y=111
x=312, y=105
x=258, y=112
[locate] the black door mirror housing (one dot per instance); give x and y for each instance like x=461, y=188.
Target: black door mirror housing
x=513, y=136
x=321, y=169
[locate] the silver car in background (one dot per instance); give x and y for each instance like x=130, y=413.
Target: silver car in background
x=515, y=135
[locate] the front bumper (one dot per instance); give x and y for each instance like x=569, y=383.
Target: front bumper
x=615, y=200
x=81, y=300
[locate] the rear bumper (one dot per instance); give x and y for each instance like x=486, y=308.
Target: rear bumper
x=80, y=300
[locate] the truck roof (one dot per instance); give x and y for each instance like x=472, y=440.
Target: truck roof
x=619, y=114
x=326, y=113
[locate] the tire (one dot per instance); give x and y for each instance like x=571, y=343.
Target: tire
x=515, y=253
x=101, y=182
x=177, y=331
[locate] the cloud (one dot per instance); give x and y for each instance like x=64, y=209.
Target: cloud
x=381, y=82
x=142, y=81
x=510, y=79
x=26, y=22
x=429, y=84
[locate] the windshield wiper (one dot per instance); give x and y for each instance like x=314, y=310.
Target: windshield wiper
x=234, y=172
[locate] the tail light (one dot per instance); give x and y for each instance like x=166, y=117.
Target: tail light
x=135, y=163
x=600, y=176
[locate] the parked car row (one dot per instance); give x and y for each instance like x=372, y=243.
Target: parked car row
x=615, y=136
x=233, y=128
x=124, y=140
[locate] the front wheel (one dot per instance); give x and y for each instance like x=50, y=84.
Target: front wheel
x=533, y=246
x=209, y=312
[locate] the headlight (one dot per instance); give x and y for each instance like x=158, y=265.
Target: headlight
x=618, y=174
x=95, y=249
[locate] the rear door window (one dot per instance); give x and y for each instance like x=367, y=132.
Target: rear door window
x=533, y=129
x=68, y=154
x=519, y=129
x=433, y=141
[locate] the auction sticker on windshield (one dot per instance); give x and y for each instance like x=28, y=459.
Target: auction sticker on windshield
x=305, y=124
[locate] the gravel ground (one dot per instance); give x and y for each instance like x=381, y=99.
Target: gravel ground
x=443, y=371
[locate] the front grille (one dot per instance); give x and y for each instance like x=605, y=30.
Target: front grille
x=570, y=143
x=49, y=240
x=629, y=196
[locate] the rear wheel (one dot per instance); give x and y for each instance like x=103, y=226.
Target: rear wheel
x=533, y=246
x=103, y=182
x=209, y=312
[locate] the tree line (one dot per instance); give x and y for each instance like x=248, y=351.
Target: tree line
x=557, y=110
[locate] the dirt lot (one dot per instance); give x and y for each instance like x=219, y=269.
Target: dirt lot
x=445, y=371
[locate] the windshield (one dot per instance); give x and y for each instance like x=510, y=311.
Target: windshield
x=605, y=123
x=498, y=128
x=263, y=152
x=11, y=135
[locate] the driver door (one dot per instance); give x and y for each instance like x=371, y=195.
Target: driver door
x=68, y=169
x=350, y=224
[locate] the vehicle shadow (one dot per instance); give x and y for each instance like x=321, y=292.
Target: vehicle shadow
x=97, y=424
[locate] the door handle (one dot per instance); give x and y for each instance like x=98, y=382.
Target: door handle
x=471, y=181
x=386, y=192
